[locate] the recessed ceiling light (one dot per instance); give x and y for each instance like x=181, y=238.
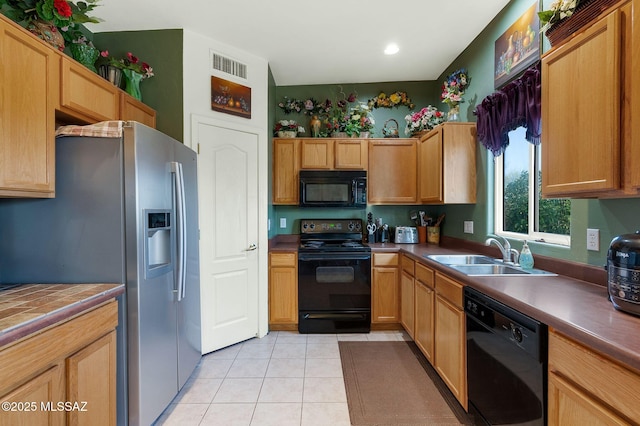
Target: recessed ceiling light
x=391, y=49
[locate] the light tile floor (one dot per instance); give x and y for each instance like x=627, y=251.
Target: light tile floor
x=283, y=379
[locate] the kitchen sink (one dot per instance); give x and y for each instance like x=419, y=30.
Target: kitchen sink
x=462, y=259
x=485, y=266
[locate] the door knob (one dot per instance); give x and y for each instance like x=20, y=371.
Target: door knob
x=252, y=247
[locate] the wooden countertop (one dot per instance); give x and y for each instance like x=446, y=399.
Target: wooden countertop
x=28, y=308
x=575, y=307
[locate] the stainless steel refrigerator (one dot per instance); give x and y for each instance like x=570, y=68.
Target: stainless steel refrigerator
x=125, y=211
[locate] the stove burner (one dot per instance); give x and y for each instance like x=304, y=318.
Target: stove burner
x=339, y=235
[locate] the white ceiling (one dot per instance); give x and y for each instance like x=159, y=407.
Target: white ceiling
x=321, y=41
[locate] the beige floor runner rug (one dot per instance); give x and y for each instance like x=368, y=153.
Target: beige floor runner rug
x=391, y=383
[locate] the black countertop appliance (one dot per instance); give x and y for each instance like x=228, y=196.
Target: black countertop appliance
x=623, y=272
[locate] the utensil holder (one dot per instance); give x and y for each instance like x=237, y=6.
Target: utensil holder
x=422, y=234
x=433, y=234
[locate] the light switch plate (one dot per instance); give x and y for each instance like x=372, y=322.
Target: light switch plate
x=593, y=239
x=468, y=227
x=283, y=222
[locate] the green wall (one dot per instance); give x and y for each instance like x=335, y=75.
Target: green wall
x=162, y=49
x=611, y=217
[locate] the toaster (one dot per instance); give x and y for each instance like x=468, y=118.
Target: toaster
x=406, y=235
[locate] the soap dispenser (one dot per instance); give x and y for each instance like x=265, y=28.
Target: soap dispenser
x=526, y=258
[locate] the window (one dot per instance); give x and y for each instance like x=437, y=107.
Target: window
x=520, y=212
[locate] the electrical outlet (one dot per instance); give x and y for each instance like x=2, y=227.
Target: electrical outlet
x=593, y=239
x=283, y=222
x=468, y=227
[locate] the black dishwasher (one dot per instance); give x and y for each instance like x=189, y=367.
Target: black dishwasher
x=506, y=363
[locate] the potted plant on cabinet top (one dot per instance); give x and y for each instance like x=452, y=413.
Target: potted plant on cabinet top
x=423, y=121
x=54, y=21
x=287, y=129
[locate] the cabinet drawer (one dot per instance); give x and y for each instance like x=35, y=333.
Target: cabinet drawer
x=385, y=259
x=282, y=259
x=424, y=275
x=449, y=289
x=408, y=265
x=600, y=377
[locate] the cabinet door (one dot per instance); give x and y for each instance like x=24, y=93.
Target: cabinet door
x=407, y=307
x=132, y=109
x=393, y=177
x=385, y=294
x=431, y=167
x=568, y=405
x=283, y=289
x=581, y=128
x=85, y=95
x=424, y=329
x=316, y=154
x=450, y=348
x=635, y=97
x=27, y=121
x=91, y=378
x=286, y=165
x=351, y=154
x=45, y=388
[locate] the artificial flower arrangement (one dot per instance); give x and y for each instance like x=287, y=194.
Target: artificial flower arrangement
x=130, y=62
x=64, y=16
x=395, y=99
x=287, y=126
x=425, y=119
x=454, y=86
x=358, y=121
x=559, y=10
x=307, y=106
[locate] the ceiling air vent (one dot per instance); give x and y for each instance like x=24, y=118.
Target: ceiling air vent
x=229, y=66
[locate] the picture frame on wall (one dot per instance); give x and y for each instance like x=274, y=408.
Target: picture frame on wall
x=518, y=47
x=230, y=98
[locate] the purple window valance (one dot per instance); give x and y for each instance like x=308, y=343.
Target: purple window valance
x=515, y=105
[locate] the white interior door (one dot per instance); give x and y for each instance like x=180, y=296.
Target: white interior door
x=228, y=197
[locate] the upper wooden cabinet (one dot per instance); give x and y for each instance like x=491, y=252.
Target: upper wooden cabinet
x=292, y=155
x=316, y=154
x=39, y=88
x=635, y=94
x=393, y=175
x=587, y=148
x=329, y=154
x=447, y=164
x=132, y=109
x=28, y=80
x=85, y=95
x=286, y=168
x=351, y=154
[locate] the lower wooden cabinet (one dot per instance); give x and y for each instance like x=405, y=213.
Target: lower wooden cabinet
x=385, y=304
x=66, y=373
x=588, y=388
x=450, y=338
x=407, y=295
x=283, y=291
x=424, y=294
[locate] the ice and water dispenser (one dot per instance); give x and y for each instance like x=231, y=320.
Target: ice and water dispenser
x=159, y=241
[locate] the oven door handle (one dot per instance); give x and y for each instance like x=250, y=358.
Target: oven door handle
x=303, y=257
x=329, y=316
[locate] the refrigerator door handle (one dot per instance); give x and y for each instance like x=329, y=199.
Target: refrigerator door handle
x=181, y=230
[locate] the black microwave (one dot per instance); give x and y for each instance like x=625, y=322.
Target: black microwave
x=322, y=188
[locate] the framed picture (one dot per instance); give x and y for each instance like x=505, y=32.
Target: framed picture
x=230, y=98
x=518, y=47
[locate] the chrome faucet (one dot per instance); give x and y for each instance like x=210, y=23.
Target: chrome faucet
x=505, y=248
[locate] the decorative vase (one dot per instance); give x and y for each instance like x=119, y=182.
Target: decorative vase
x=111, y=74
x=48, y=32
x=287, y=134
x=85, y=54
x=365, y=134
x=314, y=126
x=454, y=113
x=339, y=134
x=132, y=81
